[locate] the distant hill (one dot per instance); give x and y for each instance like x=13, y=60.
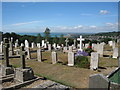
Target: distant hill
x=108, y=34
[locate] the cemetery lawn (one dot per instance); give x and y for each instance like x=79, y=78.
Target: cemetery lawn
x=60, y=72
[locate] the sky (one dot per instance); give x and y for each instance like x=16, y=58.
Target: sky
x=78, y=17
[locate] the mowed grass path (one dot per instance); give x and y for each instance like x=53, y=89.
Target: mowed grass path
x=72, y=76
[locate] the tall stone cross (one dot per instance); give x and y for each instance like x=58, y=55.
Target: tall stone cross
x=6, y=52
x=22, y=55
x=80, y=39
x=11, y=46
x=66, y=42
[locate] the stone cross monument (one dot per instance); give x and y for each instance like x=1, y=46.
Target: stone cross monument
x=6, y=50
x=22, y=53
x=80, y=39
x=66, y=42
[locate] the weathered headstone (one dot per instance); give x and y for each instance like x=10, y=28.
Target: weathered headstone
x=11, y=52
x=71, y=58
x=54, y=57
x=28, y=53
x=100, y=48
x=94, y=61
x=80, y=39
x=23, y=73
x=39, y=54
x=115, y=53
x=98, y=81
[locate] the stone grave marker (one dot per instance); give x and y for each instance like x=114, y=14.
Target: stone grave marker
x=100, y=48
x=6, y=68
x=28, y=53
x=94, y=61
x=16, y=43
x=26, y=44
x=38, y=45
x=23, y=73
x=115, y=53
x=66, y=41
x=80, y=39
x=43, y=43
x=49, y=47
x=74, y=46
x=11, y=51
x=33, y=45
x=1, y=47
x=71, y=58
x=39, y=54
x=70, y=48
x=98, y=81
x=54, y=57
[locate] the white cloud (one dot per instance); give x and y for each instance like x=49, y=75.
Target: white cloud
x=93, y=26
x=24, y=23
x=78, y=27
x=103, y=12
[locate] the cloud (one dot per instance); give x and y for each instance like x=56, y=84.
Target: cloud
x=103, y=12
x=24, y=23
x=93, y=26
x=78, y=27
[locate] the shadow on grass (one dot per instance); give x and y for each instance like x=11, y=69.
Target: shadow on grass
x=44, y=60
x=102, y=67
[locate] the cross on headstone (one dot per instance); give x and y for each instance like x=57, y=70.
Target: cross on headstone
x=6, y=52
x=66, y=42
x=22, y=53
x=80, y=39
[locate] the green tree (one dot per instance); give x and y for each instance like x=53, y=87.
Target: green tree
x=39, y=38
x=55, y=39
x=47, y=34
x=61, y=41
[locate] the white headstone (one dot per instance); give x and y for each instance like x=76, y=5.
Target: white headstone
x=26, y=44
x=1, y=47
x=54, y=57
x=49, y=47
x=54, y=46
x=115, y=53
x=100, y=48
x=71, y=58
x=43, y=43
x=38, y=45
x=39, y=54
x=94, y=61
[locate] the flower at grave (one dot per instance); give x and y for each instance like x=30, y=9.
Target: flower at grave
x=89, y=46
x=81, y=53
